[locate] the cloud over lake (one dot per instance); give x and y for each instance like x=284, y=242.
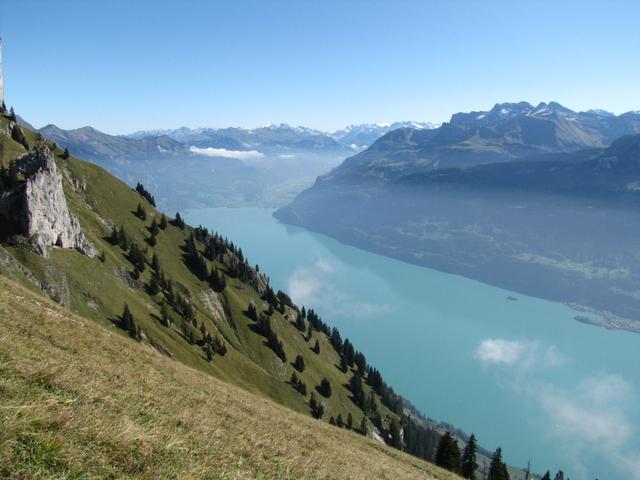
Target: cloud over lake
x=223, y=152
x=592, y=417
x=313, y=287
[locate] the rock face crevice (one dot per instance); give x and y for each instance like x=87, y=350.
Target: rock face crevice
x=40, y=207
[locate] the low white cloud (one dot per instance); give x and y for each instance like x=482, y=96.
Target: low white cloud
x=522, y=354
x=592, y=419
x=287, y=155
x=499, y=351
x=313, y=288
x=592, y=412
x=223, y=152
x=303, y=287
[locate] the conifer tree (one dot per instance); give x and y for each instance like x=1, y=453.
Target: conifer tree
x=217, y=280
x=141, y=213
x=395, y=439
x=325, y=388
x=547, y=475
x=497, y=468
x=178, y=221
x=448, y=453
x=469, y=464
x=350, y=421
x=339, y=421
x=163, y=222
x=114, y=237
x=317, y=410
x=154, y=229
x=251, y=312
x=123, y=239
x=298, y=364
x=357, y=390
x=18, y=135
x=65, y=154
x=364, y=430
x=361, y=362
x=154, y=284
x=344, y=366
x=332, y=421
x=316, y=347
x=559, y=475
x=128, y=323
x=208, y=353
x=164, y=314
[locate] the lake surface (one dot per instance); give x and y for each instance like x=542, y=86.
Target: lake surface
x=518, y=372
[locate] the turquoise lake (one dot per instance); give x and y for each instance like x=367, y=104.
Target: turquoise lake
x=519, y=372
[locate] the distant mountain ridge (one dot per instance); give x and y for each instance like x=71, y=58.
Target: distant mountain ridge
x=506, y=132
x=264, y=167
x=359, y=137
x=87, y=141
x=355, y=137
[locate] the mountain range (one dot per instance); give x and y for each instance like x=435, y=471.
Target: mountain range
x=355, y=137
x=263, y=167
x=539, y=200
x=506, y=132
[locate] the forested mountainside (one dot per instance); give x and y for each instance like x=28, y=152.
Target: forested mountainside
x=104, y=252
x=559, y=225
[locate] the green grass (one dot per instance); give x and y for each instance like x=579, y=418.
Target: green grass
x=97, y=292
x=78, y=401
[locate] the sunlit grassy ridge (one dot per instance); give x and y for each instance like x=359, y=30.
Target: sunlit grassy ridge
x=81, y=401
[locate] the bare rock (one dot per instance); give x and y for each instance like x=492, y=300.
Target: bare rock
x=213, y=304
x=45, y=215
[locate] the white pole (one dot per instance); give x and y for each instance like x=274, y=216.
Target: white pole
x=1, y=76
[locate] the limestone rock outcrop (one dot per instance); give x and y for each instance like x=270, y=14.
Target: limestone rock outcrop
x=40, y=207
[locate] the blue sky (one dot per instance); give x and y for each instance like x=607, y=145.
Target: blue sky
x=122, y=65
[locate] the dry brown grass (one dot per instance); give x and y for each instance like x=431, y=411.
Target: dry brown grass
x=77, y=401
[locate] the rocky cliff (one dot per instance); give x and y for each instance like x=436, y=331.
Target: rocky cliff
x=40, y=209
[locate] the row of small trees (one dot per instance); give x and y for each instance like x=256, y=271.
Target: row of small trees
x=448, y=456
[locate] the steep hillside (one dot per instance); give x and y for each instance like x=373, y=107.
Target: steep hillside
x=101, y=249
x=98, y=288
x=80, y=401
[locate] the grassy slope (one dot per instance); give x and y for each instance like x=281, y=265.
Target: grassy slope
x=97, y=293
x=81, y=401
